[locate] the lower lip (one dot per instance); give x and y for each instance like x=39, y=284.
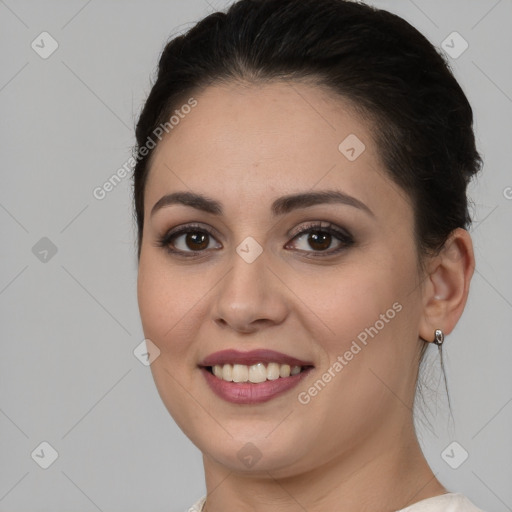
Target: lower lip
x=249, y=393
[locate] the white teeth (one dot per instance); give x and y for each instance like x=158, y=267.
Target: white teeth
x=273, y=371
x=226, y=372
x=295, y=370
x=284, y=370
x=240, y=373
x=255, y=373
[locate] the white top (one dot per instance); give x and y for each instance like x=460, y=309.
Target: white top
x=450, y=502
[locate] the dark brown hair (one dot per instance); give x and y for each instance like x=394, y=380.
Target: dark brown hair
x=421, y=118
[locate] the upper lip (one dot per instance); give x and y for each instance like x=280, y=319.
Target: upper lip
x=232, y=356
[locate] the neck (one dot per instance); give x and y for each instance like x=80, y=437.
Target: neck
x=385, y=476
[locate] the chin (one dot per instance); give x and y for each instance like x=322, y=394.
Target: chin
x=253, y=454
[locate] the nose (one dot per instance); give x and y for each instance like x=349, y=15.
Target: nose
x=250, y=297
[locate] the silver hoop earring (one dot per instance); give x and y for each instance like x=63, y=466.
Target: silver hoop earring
x=438, y=337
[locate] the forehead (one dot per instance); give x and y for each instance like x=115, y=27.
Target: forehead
x=243, y=142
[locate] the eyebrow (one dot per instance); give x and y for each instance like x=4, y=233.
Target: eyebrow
x=280, y=206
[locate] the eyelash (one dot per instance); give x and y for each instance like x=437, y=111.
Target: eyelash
x=344, y=238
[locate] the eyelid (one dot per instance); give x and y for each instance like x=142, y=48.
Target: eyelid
x=183, y=228
x=164, y=241
x=343, y=236
x=320, y=225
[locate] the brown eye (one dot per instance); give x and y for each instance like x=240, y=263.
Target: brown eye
x=189, y=240
x=319, y=240
x=197, y=241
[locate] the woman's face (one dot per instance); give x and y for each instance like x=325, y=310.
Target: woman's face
x=328, y=282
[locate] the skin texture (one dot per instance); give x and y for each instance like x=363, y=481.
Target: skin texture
x=245, y=145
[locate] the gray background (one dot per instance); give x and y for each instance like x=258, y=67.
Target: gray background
x=69, y=323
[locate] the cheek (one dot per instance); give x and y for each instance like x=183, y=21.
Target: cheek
x=364, y=312
x=366, y=351
x=168, y=300
x=348, y=299
x=168, y=304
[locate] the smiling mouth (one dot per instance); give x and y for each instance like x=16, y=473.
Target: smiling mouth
x=256, y=373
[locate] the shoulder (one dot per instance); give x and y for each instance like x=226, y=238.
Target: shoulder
x=450, y=502
x=197, y=506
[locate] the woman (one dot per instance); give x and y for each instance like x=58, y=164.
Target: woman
x=300, y=194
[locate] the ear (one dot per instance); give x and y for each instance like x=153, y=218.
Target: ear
x=446, y=287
